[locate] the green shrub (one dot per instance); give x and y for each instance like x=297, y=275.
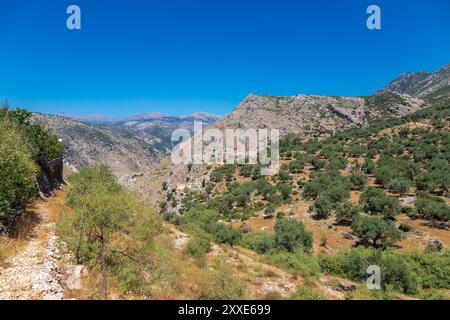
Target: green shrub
x=337, y=163
x=298, y=262
x=430, y=207
x=258, y=241
x=246, y=170
x=291, y=235
x=432, y=268
x=296, y=166
x=307, y=292
x=285, y=189
x=400, y=186
x=396, y=269
x=198, y=246
x=264, y=188
x=322, y=206
x=197, y=216
x=375, y=200
x=224, y=234
x=347, y=212
x=376, y=231
x=221, y=284
x=317, y=163
x=358, y=180
x=368, y=166
x=404, y=227
x=274, y=198
x=269, y=210
x=17, y=169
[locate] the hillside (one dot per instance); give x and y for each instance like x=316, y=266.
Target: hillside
x=421, y=84
x=367, y=175
x=30, y=163
x=156, y=130
x=384, y=186
x=313, y=115
x=129, y=146
x=309, y=116
x=88, y=145
x=363, y=181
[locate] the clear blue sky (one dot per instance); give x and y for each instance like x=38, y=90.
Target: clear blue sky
x=177, y=57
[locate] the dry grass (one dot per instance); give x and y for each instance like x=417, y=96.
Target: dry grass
x=13, y=242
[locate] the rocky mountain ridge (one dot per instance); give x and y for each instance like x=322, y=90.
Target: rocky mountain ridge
x=421, y=84
x=88, y=145
x=316, y=115
x=311, y=116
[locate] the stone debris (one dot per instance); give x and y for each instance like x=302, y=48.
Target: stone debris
x=181, y=239
x=34, y=272
x=407, y=201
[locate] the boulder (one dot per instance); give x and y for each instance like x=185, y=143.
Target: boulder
x=245, y=228
x=73, y=281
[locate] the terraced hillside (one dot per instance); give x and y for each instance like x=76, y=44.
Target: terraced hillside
x=379, y=193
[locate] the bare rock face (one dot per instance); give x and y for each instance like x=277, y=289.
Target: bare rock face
x=313, y=115
x=50, y=175
x=421, y=84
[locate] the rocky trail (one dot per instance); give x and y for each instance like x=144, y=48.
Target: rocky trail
x=35, y=272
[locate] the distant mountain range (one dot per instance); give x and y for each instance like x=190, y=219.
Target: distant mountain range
x=100, y=119
x=309, y=116
x=129, y=145
x=135, y=143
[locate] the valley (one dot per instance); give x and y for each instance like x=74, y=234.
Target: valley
x=363, y=181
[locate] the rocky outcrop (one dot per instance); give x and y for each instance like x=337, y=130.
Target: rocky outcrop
x=313, y=115
x=421, y=84
x=50, y=175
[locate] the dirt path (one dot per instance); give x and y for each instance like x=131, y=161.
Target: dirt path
x=34, y=272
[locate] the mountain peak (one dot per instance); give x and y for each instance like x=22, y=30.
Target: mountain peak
x=420, y=84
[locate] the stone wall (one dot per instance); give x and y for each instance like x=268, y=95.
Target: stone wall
x=50, y=175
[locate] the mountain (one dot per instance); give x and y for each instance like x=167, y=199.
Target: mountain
x=100, y=119
x=153, y=128
x=156, y=129
x=308, y=116
x=130, y=145
x=421, y=84
x=313, y=115
x=316, y=115
x=88, y=145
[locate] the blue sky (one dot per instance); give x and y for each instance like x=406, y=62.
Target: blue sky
x=178, y=57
